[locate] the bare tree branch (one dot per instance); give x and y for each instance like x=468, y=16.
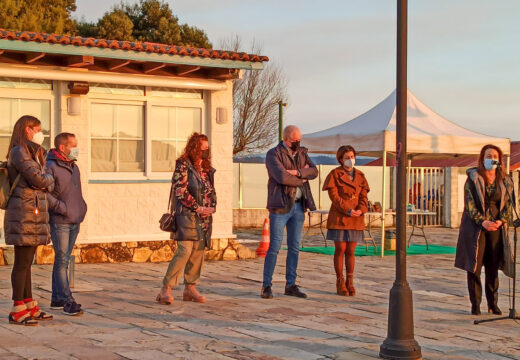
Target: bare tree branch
x=255, y=103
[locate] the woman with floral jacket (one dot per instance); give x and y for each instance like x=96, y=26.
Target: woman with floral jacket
x=195, y=201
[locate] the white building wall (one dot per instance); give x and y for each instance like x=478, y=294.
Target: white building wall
x=124, y=208
x=221, y=141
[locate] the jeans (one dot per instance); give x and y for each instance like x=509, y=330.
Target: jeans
x=63, y=239
x=293, y=220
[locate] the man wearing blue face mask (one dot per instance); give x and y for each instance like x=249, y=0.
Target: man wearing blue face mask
x=67, y=211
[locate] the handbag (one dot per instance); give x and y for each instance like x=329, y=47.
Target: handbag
x=167, y=222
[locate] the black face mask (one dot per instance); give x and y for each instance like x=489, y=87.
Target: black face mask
x=205, y=154
x=295, y=145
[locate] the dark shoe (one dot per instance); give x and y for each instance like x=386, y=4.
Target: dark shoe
x=57, y=305
x=72, y=309
x=475, y=310
x=495, y=310
x=294, y=290
x=266, y=293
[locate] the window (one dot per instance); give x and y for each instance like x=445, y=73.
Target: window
x=13, y=109
x=170, y=128
x=115, y=89
x=176, y=93
x=117, y=138
x=19, y=83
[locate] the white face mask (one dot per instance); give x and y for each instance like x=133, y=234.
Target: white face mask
x=38, y=138
x=489, y=165
x=349, y=163
x=74, y=153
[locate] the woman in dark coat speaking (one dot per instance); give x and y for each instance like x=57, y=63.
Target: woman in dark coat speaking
x=26, y=219
x=483, y=237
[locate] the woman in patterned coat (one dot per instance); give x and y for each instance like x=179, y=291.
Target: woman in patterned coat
x=195, y=201
x=483, y=236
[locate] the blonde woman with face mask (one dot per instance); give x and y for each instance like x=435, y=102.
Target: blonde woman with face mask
x=348, y=189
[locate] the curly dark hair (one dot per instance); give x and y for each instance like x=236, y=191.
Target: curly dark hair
x=342, y=151
x=193, y=152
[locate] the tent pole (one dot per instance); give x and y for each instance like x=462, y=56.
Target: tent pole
x=508, y=163
x=383, y=206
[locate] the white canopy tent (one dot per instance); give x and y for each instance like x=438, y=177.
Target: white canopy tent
x=429, y=135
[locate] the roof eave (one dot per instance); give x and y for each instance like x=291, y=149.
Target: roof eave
x=61, y=49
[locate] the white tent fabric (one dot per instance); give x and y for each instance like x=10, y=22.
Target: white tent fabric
x=429, y=134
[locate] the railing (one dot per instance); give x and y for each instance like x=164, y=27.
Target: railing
x=426, y=188
x=426, y=192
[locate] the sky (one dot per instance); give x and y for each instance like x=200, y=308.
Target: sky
x=339, y=55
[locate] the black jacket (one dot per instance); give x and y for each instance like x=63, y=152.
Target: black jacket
x=66, y=202
x=281, y=188
x=26, y=221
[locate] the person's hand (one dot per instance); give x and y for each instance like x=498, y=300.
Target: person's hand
x=205, y=211
x=489, y=225
x=293, y=172
x=306, y=166
x=499, y=223
x=355, y=213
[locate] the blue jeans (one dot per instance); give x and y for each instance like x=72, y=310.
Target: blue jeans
x=63, y=239
x=293, y=220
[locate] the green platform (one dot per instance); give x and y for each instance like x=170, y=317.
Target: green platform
x=361, y=250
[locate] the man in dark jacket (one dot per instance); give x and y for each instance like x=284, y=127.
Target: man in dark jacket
x=289, y=196
x=67, y=211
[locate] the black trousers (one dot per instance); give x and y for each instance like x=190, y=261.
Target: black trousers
x=489, y=254
x=21, y=274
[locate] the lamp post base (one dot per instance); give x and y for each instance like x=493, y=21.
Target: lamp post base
x=400, y=342
x=400, y=349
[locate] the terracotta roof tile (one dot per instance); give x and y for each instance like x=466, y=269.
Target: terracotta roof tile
x=126, y=45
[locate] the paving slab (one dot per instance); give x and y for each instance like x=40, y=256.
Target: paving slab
x=123, y=321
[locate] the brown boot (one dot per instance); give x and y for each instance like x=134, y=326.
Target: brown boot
x=191, y=294
x=350, y=285
x=165, y=296
x=341, y=289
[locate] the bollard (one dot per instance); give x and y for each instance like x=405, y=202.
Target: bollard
x=72, y=268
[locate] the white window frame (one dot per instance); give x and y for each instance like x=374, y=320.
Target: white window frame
x=147, y=102
x=175, y=103
x=35, y=94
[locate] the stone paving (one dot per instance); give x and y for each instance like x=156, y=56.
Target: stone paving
x=122, y=321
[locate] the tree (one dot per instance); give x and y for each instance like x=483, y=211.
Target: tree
x=115, y=25
x=50, y=16
x=255, y=104
x=147, y=20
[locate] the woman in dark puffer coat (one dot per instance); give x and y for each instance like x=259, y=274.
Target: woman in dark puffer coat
x=26, y=220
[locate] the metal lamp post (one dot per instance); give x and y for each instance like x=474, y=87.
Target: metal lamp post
x=281, y=104
x=400, y=342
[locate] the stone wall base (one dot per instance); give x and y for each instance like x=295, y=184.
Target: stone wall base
x=138, y=251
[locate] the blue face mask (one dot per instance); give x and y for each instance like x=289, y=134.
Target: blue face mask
x=489, y=165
